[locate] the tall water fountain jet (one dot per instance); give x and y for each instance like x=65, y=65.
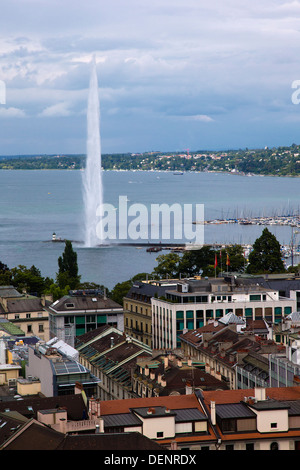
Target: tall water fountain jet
x=92, y=175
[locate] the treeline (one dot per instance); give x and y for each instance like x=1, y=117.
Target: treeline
x=281, y=161
x=265, y=258
x=31, y=281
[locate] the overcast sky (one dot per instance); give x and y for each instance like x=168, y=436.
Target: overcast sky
x=173, y=74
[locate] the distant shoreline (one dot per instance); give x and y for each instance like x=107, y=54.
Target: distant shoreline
x=156, y=171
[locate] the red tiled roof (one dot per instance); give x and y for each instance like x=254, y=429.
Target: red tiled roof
x=235, y=396
x=172, y=402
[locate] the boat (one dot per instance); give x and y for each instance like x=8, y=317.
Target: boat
x=154, y=249
x=178, y=173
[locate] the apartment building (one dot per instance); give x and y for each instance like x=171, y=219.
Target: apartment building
x=25, y=311
x=253, y=419
x=59, y=373
x=227, y=354
x=137, y=307
x=195, y=302
x=82, y=311
x=111, y=356
x=172, y=374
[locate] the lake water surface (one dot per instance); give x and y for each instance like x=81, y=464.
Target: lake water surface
x=34, y=204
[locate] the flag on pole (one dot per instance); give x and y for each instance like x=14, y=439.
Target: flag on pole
x=227, y=260
x=216, y=261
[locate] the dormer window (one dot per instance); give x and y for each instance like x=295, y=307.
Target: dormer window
x=69, y=305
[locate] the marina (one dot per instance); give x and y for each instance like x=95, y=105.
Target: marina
x=282, y=220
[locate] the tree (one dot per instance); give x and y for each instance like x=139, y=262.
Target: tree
x=195, y=262
x=68, y=268
x=236, y=258
x=29, y=279
x=56, y=291
x=5, y=275
x=266, y=255
x=168, y=266
x=120, y=290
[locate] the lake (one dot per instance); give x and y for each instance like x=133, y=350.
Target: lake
x=34, y=204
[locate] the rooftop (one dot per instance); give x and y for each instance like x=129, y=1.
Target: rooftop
x=84, y=302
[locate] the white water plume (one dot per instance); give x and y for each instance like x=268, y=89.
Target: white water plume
x=92, y=174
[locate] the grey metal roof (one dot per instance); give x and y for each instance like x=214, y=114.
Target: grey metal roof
x=189, y=414
x=294, y=409
x=9, y=291
x=234, y=410
x=232, y=318
x=270, y=405
x=294, y=316
x=92, y=303
x=122, y=419
x=150, y=290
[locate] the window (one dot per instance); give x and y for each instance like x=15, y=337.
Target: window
x=228, y=425
x=274, y=446
x=28, y=315
x=229, y=447
x=41, y=328
x=273, y=425
x=69, y=305
x=159, y=434
x=29, y=328
x=255, y=297
x=250, y=446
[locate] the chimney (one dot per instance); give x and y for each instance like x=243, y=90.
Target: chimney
x=63, y=425
x=174, y=445
x=213, y=412
x=152, y=375
x=260, y=393
x=188, y=388
x=99, y=426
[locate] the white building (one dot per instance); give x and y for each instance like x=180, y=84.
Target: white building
x=197, y=301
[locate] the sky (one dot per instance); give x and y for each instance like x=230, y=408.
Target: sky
x=173, y=74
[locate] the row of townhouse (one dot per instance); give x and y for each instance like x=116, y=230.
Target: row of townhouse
x=111, y=356
x=253, y=419
x=238, y=358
